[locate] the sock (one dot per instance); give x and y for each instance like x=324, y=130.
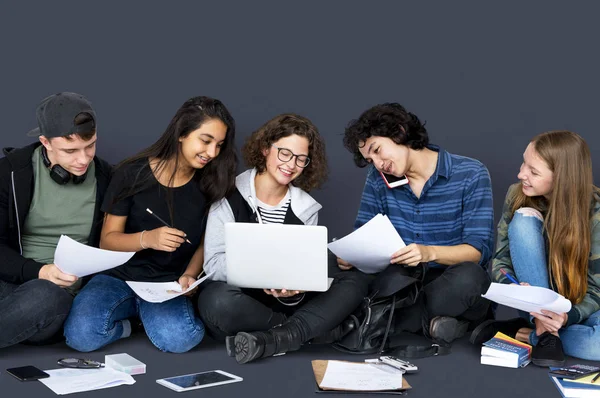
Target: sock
x=126, y=328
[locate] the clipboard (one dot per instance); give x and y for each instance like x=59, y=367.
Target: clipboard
x=320, y=366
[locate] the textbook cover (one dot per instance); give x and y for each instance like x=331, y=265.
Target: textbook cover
x=502, y=352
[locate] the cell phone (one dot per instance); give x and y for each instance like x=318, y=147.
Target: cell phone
x=399, y=364
x=198, y=380
x=27, y=373
x=392, y=181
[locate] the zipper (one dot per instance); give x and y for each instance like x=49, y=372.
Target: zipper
x=12, y=178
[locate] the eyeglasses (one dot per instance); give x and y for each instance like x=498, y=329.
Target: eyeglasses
x=285, y=155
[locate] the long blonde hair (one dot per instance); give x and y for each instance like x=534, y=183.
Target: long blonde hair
x=567, y=211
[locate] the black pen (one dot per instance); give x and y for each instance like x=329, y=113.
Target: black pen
x=164, y=222
x=596, y=377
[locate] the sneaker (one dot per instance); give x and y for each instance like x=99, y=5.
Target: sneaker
x=488, y=329
x=548, y=351
x=447, y=329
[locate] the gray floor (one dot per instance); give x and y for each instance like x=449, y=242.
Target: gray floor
x=457, y=375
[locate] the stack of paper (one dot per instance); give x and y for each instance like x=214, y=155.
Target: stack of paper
x=352, y=376
x=67, y=380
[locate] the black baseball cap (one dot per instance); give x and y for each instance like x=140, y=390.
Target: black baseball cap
x=56, y=115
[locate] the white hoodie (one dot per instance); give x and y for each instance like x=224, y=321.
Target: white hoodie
x=302, y=204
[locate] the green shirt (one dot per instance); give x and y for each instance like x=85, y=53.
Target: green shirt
x=502, y=259
x=57, y=210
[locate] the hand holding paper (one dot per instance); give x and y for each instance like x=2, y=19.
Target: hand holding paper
x=370, y=247
x=158, y=292
x=75, y=258
x=527, y=298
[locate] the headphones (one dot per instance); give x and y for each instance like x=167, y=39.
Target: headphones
x=58, y=173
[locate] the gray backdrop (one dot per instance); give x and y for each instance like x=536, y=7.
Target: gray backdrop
x=486, y=78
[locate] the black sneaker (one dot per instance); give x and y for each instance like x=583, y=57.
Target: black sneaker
x=488, y=329
x=548, y=351
x=447, y=329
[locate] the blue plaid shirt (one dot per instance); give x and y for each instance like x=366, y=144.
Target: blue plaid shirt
x=455, y=207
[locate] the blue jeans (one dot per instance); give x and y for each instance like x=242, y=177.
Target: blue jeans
x=101, y=310
x=529, y=257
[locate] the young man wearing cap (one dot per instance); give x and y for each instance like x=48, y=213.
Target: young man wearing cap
x=50, y=188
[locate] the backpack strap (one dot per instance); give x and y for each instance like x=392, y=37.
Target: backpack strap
x=415, y=351
x=389, y=325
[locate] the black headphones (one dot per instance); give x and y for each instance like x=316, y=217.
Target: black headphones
x=58, y=173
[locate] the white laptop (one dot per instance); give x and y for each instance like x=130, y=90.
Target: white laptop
x=276, y=256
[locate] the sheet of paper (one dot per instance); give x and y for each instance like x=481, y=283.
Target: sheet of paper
x=77, y=259
x=370, y=247
x=158, y=292
x=66, y=380
x=527, y=298
x=359, y=377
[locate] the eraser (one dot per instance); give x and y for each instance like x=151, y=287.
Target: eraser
x=125, y=363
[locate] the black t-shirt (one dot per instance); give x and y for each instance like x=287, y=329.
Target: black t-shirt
x=188, y=204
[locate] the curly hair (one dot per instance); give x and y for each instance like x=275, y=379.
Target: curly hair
x=315, y=174
x=385, y=120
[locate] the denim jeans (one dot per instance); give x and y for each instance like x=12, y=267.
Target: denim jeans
x=101, y=311
x=529, y=257
x=32, y=312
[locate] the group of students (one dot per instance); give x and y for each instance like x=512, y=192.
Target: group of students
x=549, y=233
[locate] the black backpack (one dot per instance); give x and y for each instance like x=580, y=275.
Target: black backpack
x=394, y=289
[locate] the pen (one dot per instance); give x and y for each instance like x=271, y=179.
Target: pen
x=164, y=222
x=596, y=377
x=509, y=276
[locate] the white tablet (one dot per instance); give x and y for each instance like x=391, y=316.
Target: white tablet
x=198, y=380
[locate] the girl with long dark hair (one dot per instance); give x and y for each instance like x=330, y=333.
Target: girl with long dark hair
x=191, y=166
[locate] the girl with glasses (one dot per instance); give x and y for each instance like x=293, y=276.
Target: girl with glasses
x=287, y=156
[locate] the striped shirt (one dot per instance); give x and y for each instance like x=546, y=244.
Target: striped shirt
x=274, y=214
x=455, y=206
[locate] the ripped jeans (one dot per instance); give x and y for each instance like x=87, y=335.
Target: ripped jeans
x=529, y=257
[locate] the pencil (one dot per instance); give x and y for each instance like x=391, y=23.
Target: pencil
x=164, y=222
x=596, y=377
x=509, y=276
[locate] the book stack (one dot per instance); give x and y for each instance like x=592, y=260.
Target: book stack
x=577, y=388
x=582, y=387
x=503, y=350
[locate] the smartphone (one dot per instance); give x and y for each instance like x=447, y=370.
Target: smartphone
x=393, y=181
x=198, y=380
x=26, y=373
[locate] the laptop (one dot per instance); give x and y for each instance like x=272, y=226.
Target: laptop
x=276, y=256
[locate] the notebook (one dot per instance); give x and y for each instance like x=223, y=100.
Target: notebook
x=571, y=389
x=276, y=256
